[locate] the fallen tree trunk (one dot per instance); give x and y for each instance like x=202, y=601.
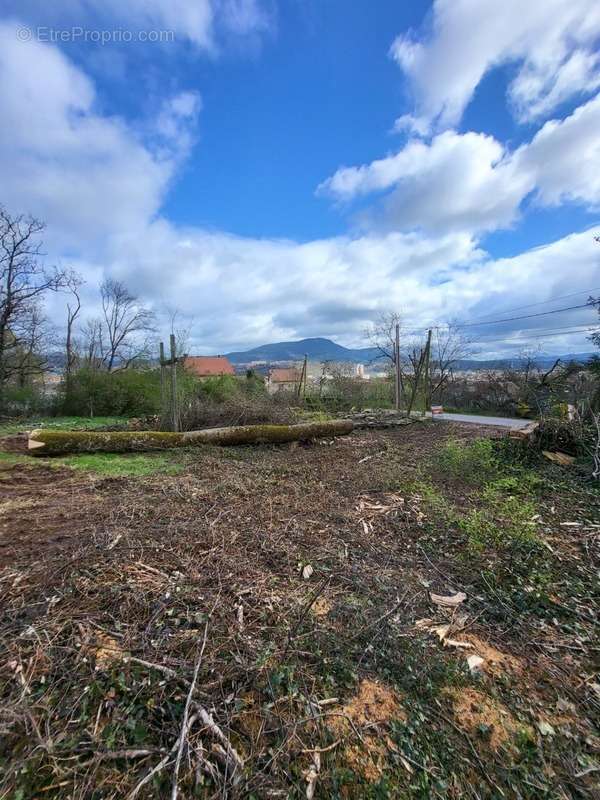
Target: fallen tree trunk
x=45, y=442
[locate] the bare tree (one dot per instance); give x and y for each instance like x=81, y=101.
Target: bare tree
x=93, y=346
x=127, y=324
x=27, y=359
x=449, y=346
x=73, y=309
x=23, y=282
x=382, y=335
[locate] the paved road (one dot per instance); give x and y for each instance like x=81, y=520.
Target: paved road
x=500, y=422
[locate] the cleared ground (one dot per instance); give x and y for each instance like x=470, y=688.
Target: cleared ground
x=303, y=584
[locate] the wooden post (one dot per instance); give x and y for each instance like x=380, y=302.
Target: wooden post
x=302, y=377
x=427, y=388
x=305, y=373
x=163, y=381
x=397, y=363
x=174, y=414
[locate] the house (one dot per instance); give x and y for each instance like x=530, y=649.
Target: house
x=208, y=366
x=283, y=379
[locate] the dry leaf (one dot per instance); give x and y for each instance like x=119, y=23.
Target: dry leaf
x=451, y=601
x=545, y=728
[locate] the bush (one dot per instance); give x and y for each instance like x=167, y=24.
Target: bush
x=27, y=400
x=128, y=392
x=227, y=400
x=240, y=409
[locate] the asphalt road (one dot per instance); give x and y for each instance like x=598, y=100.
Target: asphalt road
x=476, y=419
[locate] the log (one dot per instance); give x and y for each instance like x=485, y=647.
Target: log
x=46, y=442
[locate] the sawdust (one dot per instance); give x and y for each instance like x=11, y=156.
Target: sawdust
x=374, y=703
x=107, y=651
x=321, y=607
x=366, y=760
x=370, y=710
x=495, y=662
x=250, y=720
x=479, y=714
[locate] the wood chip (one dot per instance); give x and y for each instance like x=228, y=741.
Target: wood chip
x=450, y=601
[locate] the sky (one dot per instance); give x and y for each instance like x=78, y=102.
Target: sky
x=277, y=169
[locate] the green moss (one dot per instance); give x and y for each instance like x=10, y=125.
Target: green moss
x=58, y=442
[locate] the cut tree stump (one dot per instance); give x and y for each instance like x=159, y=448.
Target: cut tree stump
x=46, y=442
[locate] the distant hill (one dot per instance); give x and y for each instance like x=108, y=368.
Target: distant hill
x=316, y=349
x=542, y=361
x=319, y=349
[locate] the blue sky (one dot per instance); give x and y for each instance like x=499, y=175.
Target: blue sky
x=285, y=169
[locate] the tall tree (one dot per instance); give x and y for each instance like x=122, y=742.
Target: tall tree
x=24, y=280
x=127, y=324
x=73, y=310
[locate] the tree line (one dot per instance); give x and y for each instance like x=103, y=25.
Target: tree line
x=119, y=337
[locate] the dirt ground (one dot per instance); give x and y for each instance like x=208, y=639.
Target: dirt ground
x=269, y=616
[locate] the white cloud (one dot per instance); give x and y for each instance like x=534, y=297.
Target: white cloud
x=86, y=174
x=470, y=182
x=100, y=185
x=552, y=44
x=456, y=182
x=243, y=292
x=564, y=156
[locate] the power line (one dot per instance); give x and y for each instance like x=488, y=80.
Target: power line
x=525, y=316
x=532, y=333
x=497, y=321
x=544, y=302
x=520, y=340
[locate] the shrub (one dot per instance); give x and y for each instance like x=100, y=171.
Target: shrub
x=27, y=400
x=227, y=400
x=130, y=392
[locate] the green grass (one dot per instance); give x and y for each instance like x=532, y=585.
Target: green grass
x=8, y=459
x=60, y=423
x=476, y=462
x=107, y=464
x=128, y=465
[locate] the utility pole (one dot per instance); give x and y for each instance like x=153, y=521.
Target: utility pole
x=397, y=364
x=426, y=393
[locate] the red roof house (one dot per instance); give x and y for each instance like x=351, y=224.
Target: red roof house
x=208, y=366
x=283, y=379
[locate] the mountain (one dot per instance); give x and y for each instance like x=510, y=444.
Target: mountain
x=319, y=349
x=316, y=349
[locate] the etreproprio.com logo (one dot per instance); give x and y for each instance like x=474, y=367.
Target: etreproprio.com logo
x=92, y=35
